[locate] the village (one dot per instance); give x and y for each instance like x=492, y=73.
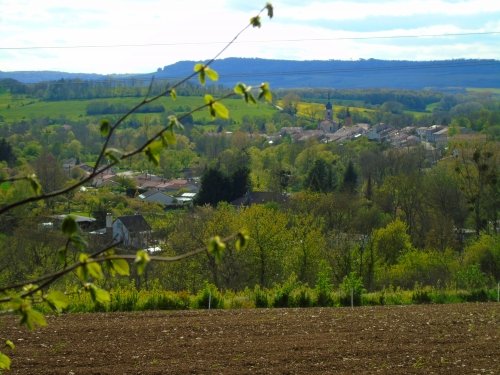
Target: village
x=134, y=232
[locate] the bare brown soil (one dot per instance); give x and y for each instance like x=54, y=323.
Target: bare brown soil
x=430, y=339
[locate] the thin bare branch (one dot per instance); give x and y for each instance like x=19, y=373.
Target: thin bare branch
x=13, y=179
x=58, y=273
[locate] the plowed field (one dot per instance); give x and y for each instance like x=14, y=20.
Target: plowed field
x=420, y=339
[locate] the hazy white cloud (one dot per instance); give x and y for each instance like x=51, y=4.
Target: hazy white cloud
x=195, y=30
x=359, y=10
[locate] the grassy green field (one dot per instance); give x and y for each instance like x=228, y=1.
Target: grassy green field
x=24, y=108
x=308, y=109
x=19, y=108
x=484, y=90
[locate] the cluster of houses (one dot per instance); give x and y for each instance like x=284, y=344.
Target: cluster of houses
x=328, y=130
x=434, y=136
x=170, y=193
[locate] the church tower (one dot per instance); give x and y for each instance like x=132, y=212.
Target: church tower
x=328, y=110
x=328, y=125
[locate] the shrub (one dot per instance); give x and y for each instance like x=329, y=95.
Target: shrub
x=209, y=297
x=282, y=294
x=324, y=298
x=351, y=286
x=164, y=300
x=485, y=253
x=238, y=300
x=124, y=299
x=81, y=302
x=324, y=285
x=478, y=295
x=260, y=297
x=445, y=296
x=373, y=299
x=421, y=295
x=424, y=267
x=302, y=297
x=471, y=278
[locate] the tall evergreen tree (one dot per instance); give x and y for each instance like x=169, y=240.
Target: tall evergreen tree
x=350, y=178
x=6, y=152
x=215, y=187
x=320, y=177
x=240, y=182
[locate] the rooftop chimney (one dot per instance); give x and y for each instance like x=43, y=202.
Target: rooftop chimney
x=109, y=221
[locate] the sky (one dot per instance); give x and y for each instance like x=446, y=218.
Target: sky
x=140, y=36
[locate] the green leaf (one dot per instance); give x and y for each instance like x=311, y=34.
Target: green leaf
x=35, y=184
x=120, y=266
x=61, y=254
x=265, y=92
x=249, y=98
x=83, y=257
x=88, y=268
x=105, y=128
x=241, y=240
x=32, y=318
x=216, y=108
x=173, y=94
x=57, y=301
x=152, y=157
x=78, y=241
x=4, y=362
x=82, y=271
x=270, y=10
x=211, y=74
x=168, y=138
x=69, y=225
x=29, y=287
x=94, y=270
x=141, y=260
x=174, y=123
x=240, y=88
x=200, y=69
x=245, y=91
x=102, y=296
x=10, y=344
x=97, y=294
x=205, y=71
x=220, y=110
x=255, y=21
x=153, y=151
x=113, y=154
x=16, y=304
x=209, y=99
x=216, y=247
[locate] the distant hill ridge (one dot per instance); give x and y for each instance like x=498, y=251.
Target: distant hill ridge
x=369, y=73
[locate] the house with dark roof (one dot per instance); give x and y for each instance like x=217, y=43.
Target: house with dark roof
x=440, y=137
x=260, y=197
x=132, y=231
x=84, y=222
x=155, y=196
